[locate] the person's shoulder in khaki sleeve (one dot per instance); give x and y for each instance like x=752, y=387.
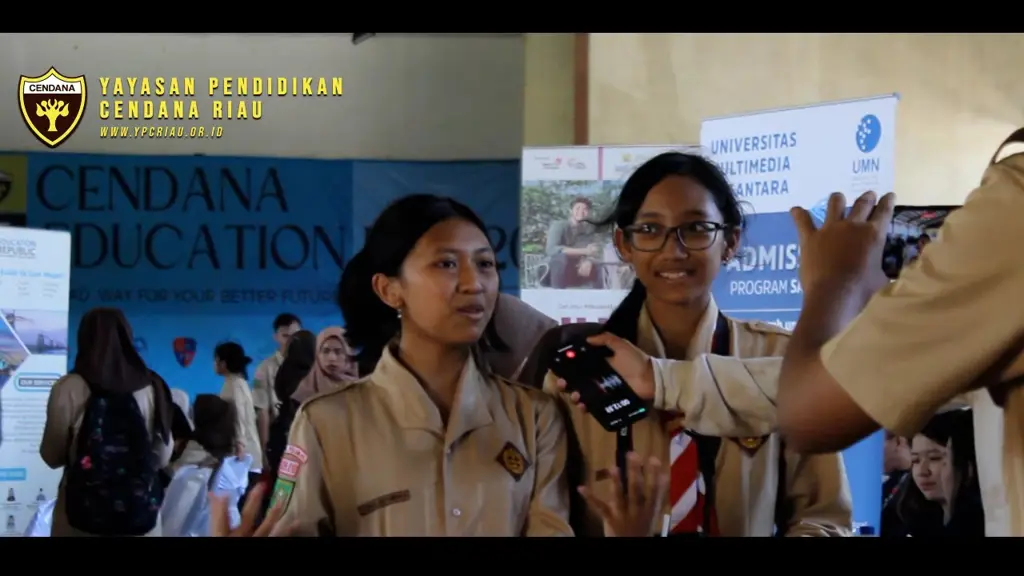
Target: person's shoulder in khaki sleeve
x=301, y=487
x=862, y=358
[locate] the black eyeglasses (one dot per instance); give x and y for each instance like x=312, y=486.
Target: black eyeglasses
x=649, y=237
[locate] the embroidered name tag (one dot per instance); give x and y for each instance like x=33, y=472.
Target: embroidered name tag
x=383, y=502
x=513, y=461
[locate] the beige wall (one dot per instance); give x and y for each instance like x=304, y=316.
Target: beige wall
x=960, y=94
x=405, y=97
x=548, y=102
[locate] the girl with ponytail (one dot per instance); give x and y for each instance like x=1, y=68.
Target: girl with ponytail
x=428, y=442
x=712, y=378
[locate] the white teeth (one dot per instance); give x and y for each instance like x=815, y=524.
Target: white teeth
x=673, y=275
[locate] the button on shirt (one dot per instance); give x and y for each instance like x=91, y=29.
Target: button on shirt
x=375, y=459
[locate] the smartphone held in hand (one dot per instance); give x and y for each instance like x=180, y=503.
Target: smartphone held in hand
x=911, y=230
x=602, y=390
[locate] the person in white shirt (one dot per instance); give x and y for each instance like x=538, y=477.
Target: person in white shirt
x=231, y=362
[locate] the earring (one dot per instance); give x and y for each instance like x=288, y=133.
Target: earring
x=398, y=311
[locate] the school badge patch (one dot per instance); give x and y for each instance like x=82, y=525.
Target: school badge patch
x=513, y=461
x=750, y=444
x=282, y=492
x=291, y=463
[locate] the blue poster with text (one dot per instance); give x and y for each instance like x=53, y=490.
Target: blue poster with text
x=796, y=157
x=490, y=188
x=198, y=250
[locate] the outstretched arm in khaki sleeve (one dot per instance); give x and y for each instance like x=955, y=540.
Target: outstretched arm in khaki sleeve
x=951, y=322
x=300, y=482
x=817, y=495
x=717, y=395
x=549, y=508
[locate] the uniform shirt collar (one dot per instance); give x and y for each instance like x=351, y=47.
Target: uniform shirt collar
x=412, y=407
x=650, y=341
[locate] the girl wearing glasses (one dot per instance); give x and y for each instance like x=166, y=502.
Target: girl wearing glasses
x=677, y=222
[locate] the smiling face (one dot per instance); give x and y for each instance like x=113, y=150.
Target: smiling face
x=676, y=274
x=579, y=212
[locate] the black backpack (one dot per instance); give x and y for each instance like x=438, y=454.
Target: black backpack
x=113, y=486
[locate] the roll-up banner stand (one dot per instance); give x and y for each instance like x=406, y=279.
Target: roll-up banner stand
x=35, y=270
x=778, y=159
x=562, y=189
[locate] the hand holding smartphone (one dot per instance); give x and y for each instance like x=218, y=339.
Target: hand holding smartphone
x=583, y=365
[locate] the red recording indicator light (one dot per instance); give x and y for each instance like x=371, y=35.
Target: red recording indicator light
x=570, y=354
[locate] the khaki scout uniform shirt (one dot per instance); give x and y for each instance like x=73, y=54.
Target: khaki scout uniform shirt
x=815, y=488
x=937, y=331
x=375, y=459
x=263, y=395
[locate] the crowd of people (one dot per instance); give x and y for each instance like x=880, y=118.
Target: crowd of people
x=432, y=413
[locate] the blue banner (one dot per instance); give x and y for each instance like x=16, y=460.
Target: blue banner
x=197, y=248
x=778, y=159
x=200, y=250
x=491, y=189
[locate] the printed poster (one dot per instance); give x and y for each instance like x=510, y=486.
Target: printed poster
x=569, y=268
x=35, y=268
x=778, y=159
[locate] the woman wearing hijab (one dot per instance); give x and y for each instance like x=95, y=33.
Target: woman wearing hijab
x=335, y=365
x=107, y=361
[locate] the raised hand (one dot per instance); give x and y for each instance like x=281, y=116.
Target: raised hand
x=629, y=361
x=846, y=252
x=632, y=514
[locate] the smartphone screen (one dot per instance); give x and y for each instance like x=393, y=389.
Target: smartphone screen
x=911, y=230
x=605, y=394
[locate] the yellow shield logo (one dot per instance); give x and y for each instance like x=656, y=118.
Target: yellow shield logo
x=52, y=105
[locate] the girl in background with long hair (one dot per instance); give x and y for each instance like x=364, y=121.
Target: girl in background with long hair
x=944, y=498
x=207, y=465
x=106, y=359
x=299, y=357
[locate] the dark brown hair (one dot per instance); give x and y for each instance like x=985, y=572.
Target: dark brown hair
x=215, y=425
x=954, y=429
x=107, y=360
